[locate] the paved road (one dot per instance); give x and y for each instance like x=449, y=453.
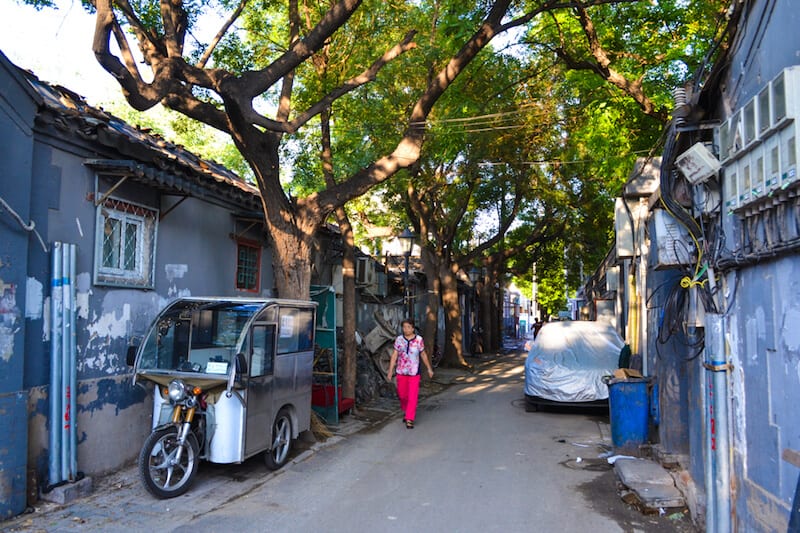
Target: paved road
x=475, y=462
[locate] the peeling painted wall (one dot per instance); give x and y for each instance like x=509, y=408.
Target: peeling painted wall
x=763, y=325
x=17, y=111
x=9, y=319
x=765, y=390
x=195, y=254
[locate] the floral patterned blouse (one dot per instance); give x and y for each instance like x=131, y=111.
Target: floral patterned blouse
x=408, y=351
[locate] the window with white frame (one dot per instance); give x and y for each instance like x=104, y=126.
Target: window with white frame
x=125, y=244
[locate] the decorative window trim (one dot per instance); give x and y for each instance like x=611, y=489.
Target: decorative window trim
x=242, y=286
x=134, y=221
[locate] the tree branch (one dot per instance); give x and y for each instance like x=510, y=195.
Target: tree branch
x=365, y=77
x=285, y=101
x=409, y=148
x=254, y=83
x=602, y=67
x=201, y=63
x=176, y=23
x=140, y=95
x=183, y=101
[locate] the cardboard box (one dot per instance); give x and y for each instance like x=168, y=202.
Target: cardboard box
x=624, y=373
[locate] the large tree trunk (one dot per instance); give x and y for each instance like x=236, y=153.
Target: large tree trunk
x=291, y=261
x=453, y=336
x=290, y=225
x=348, y=270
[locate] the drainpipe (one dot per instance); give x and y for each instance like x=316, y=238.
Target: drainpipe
x=643, y=253
x=56, y=303
x=708, y=420
x=73, y=369
x=717, y=364
x=65, y=344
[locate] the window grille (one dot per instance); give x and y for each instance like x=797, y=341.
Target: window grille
x=125, y=244
x=248, y=266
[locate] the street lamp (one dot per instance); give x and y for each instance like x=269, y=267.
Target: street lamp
x=407, y=243
x=475, y=332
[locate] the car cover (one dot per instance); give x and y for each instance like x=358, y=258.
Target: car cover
x=569, y=359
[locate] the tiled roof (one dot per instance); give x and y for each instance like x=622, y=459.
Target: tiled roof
x=147, y=157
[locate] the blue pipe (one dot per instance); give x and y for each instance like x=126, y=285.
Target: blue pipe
x=54, y=462
x=65, y=392
x=73, y=370
x=715, y=330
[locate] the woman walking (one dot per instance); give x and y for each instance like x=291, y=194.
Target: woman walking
x=409, y=349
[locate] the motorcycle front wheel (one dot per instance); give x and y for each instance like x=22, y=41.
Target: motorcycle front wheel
x=163, y=475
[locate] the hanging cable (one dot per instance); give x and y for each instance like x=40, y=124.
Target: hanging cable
x=30, y=227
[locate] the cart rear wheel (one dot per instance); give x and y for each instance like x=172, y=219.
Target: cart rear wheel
x=278, y=453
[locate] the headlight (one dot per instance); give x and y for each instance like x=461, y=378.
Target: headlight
x=176, y=390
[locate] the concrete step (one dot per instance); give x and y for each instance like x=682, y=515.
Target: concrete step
x=650, y=482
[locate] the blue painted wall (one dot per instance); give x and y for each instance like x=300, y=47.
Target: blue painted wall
x=45, y=179
x=17, y=109
x=763, y=321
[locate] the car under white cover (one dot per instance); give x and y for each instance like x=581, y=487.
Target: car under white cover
x=568, y=361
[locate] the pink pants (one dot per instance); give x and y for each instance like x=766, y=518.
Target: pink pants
x=408, y=391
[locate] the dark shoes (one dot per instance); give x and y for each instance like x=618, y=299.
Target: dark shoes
x=409, y=424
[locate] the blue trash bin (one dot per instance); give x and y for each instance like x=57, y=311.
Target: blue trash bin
x=628, y=408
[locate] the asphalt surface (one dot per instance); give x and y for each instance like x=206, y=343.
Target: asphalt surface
x=475, y=462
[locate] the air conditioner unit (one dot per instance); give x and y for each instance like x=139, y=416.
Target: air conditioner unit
x=365, y=271
x=674, y=248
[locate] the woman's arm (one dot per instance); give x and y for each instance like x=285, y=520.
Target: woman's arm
x=425, y=359
x=392, y=363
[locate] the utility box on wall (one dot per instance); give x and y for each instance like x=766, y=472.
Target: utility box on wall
x=623, y=228
x=674, y=247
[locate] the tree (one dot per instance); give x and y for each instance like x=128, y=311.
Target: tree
x=226, y=94
x=226, y=99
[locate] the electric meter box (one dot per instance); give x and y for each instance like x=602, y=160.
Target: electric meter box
x=730, y=186
x=758, y=143
x=788, y=155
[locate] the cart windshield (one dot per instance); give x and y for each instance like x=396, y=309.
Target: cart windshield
x=197, y=337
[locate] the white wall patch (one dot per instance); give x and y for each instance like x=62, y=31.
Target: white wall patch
x=789, y=331
x=34, y=299
x=113, y=324
x=175, y=271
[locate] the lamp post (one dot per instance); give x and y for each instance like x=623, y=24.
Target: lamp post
x=407, y=243
x=475, y=331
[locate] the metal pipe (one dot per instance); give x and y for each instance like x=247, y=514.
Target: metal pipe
x=717, y=365
x=73, y=368
x=65, y=401
x=406, y=292
x=643, y=253
x=707, y=392
x=54, y=463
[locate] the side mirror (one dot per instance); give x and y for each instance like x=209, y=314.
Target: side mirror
x=241, y=363
x=130, y=357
